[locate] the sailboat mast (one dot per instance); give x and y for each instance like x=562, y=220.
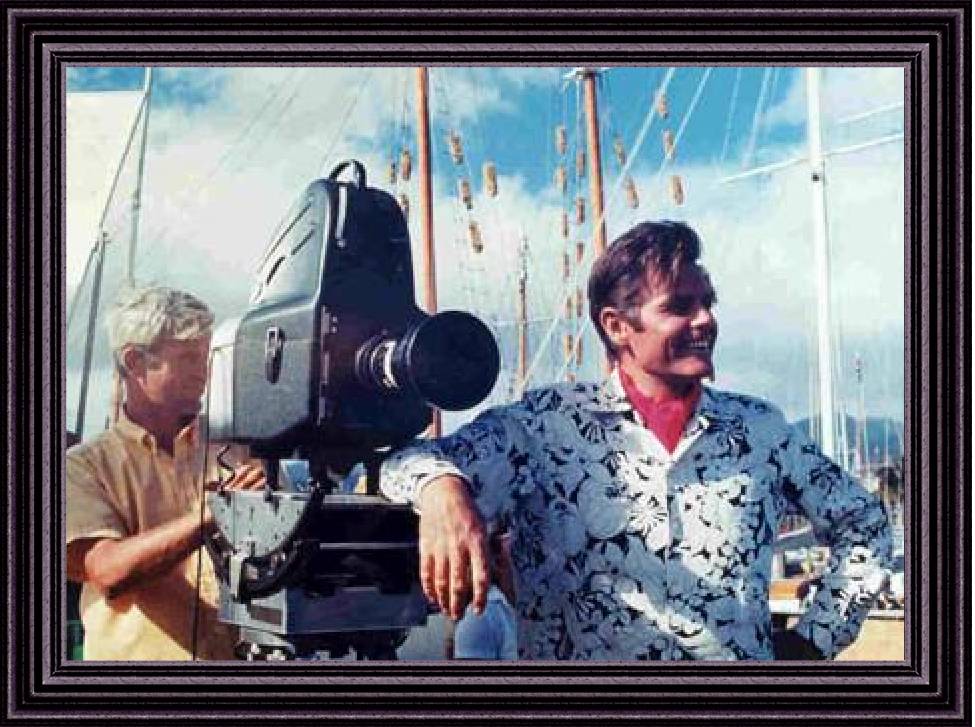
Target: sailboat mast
x=588, y=76
x=98, y=254
x=96, y=291
x=427, y=261
x=821, y=245
x=137, y=192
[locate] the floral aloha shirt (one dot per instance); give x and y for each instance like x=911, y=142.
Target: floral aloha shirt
x=625, y=551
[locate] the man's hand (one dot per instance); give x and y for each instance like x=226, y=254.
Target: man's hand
x=454, y=560
x=245, y=477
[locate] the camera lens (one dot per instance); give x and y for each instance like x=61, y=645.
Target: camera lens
x=452, y=360
x=379, y=363
x=449, y=360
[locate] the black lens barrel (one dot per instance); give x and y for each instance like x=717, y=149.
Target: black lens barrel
x=450, y=360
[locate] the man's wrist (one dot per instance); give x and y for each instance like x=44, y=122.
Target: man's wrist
x=440, y=483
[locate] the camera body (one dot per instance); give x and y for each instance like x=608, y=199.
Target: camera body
x=332, y=364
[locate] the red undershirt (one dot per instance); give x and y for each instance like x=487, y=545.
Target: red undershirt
x=665, y=418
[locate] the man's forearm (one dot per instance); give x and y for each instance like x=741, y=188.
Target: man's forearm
x=115, y=565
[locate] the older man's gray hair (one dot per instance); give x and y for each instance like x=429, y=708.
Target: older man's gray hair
x=145, y=316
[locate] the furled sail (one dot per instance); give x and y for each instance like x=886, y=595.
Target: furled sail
x=561, y=140
x=456, y=147
x=632, y=198
x=676, y=190
x=405, y=164
x=474, y=235
x=464, y=192
x=663, y=109
x=669, y=144
x=560, y=178
x=620, y=150
x=490, y=174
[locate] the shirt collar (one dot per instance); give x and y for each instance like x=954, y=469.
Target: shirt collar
x=609, y=397
x=129, y=429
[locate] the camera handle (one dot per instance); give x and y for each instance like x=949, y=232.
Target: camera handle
x=358, y=172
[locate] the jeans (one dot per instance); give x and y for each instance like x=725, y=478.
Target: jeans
x=492, y=635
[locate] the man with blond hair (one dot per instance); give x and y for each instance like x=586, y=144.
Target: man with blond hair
x=136, y=517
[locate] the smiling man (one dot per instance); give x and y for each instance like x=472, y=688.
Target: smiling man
x=643, y=509
x=135, y=514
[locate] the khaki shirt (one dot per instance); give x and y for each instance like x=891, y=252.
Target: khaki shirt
x=121, y=483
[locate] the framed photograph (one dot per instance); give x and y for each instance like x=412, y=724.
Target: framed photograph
x=166, y=144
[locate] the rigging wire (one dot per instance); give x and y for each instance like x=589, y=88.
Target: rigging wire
x=580, y=172
x=774, y=84
x=234, y=149
x=555, y=110
x=478, y=262
x=261, y=141
x=400, y=134
x=756, y=119
x=343, y=122
x=82, y=284
x=108, y=204
x=547, y=295
x=279, y=118
x=335, y=136
x=637, y=145
x=255, y=120
x=686, y=119
x=552, y=239
x=731, y=114
x=479, y=150
x=444, y=111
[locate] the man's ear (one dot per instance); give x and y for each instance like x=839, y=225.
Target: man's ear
x=132, y=361
x=615, y=326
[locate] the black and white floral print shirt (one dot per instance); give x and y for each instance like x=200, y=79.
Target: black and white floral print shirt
x=623, y=550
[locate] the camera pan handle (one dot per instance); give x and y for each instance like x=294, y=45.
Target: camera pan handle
x=358, y=172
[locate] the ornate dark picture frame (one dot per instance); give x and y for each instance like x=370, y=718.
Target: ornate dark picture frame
x=932, y=43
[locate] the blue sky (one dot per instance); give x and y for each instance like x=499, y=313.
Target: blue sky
x=721, y=123
x=230, y=148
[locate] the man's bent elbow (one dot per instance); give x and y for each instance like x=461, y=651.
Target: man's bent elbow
x=101, y=568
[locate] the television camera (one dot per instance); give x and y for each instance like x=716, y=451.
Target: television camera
x=330, y=367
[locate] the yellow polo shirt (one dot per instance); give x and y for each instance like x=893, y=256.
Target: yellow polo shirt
x=121, y=483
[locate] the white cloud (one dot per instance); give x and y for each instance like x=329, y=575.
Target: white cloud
x=97, y=127
x=844, y=92
x=220, y=175
x=757, y=237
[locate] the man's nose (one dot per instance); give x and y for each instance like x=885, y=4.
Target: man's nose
x=703, y=317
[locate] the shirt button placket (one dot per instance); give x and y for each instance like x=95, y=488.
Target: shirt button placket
x=673, y=564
